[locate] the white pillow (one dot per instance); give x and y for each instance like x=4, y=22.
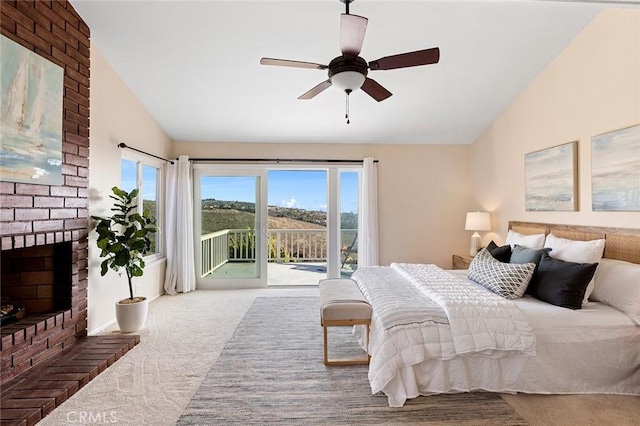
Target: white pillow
x=576, y=251
x=618, y=285
x=535, y=241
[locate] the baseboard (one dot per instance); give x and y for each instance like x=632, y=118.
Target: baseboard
x=101, y=328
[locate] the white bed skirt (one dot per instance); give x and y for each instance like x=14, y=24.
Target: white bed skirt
x=579, y=371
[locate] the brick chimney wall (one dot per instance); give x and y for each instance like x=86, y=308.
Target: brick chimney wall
x=34, y=215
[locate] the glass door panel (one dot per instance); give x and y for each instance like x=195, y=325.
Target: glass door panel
x=297, y=227
x=349, y=196
x=231, y=243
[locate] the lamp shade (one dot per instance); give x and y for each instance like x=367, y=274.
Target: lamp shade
x=478, y=221
x=348, y=80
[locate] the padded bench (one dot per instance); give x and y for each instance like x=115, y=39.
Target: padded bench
x=342, y=304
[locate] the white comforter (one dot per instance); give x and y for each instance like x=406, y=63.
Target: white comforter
x=480, y=323
x=480, y=320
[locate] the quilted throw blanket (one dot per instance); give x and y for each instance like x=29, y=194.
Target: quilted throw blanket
x=480, y=321
x=395, y=300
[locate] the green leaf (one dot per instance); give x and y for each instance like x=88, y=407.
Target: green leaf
x=104, y=267
x=136, y=271
x=141, y=233
x=119, y=192
x=122, y=258
x=138, y=245
x=103, y=243
x=115, y=248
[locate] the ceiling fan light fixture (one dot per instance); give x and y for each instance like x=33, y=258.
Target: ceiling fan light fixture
x=348, y=72
x=348, y=80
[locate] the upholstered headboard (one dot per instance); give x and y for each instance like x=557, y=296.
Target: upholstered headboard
x=620, y=243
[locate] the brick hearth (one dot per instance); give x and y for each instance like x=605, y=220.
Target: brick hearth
x=29, y=397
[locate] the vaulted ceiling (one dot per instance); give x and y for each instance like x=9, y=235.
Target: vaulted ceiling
x=194, y=65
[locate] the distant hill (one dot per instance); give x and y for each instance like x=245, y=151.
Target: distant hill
x=218, y=215
x=214, y=219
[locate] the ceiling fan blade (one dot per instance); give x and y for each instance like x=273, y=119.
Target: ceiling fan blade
x=404, y=60
x=313, y=92
x=375, y=90
x=289, y=63
x=352, y=29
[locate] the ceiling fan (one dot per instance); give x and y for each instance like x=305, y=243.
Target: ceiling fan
x=348, y=72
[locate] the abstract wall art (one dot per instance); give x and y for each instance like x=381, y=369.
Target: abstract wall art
x=551, y=179
x=615, y=170
x=31, y=116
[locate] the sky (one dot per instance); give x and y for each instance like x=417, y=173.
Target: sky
x=303, y=189
x=128, y=178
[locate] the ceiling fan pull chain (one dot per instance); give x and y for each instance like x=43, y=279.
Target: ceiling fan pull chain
x=348, y=92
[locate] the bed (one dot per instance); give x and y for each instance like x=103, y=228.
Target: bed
x=463, y=338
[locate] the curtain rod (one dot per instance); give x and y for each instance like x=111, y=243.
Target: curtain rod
x=276, y=160
x=248, y=160
x=124, y=145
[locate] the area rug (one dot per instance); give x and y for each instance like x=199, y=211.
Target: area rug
x=271, y=371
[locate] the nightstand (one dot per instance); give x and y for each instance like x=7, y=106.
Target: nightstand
x=459, y=261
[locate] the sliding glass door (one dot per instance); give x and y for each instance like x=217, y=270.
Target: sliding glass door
x=284, y=226
x=230, y=213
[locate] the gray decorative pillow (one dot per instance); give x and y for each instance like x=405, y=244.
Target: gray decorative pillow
x=522, y=254
x=526, y=255
x=509, y=280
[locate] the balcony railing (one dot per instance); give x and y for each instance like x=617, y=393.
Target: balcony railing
x=283, y=245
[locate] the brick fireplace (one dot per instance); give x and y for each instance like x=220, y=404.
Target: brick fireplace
x=43, y=236
x=41, y=225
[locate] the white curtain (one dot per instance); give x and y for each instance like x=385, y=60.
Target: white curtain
x=180, y=275
x=368, y=248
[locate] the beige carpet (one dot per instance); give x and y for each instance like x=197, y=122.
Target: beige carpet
x=185, y=334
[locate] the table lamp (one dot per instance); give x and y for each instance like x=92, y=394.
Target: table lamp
x=477, y=221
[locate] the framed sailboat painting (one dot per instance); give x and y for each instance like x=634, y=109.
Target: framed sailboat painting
x=30, y=116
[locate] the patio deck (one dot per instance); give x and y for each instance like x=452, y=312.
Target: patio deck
x=280, y=274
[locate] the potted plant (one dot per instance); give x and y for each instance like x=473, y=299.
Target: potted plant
x=123, y=240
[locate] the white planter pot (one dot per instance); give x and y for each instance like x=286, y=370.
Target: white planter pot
x=131, y=316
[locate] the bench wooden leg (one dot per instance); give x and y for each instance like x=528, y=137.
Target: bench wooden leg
x=345, y=361
x=326, y=347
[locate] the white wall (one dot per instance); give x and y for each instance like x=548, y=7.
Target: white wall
x=592, y=87
x=423, y=191
x=116, y=116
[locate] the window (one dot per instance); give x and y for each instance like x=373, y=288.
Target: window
x=145, y=174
